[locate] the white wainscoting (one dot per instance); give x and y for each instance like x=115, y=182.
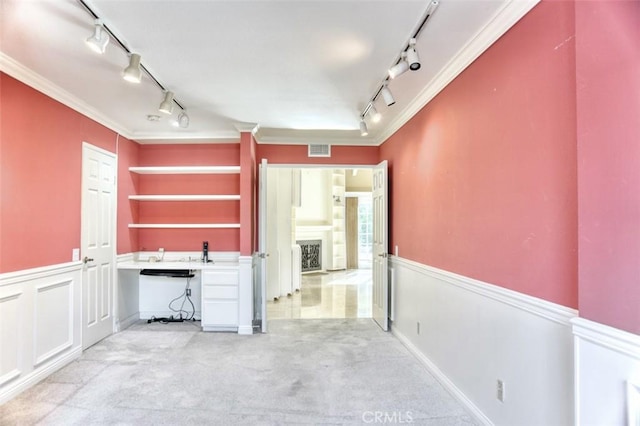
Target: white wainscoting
x=470, y=334
x=40, y=324
x=607, y=370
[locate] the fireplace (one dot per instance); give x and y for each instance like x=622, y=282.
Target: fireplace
x=311, y=255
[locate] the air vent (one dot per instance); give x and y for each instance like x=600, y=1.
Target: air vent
x=319, y=150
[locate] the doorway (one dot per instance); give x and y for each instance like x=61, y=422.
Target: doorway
x=319, y=242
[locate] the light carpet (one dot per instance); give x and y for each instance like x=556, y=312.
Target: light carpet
x=329, y=372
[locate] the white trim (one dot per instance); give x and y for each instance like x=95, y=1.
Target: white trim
x=504, y=19
x=39, y=272
x=611, y=338
x=12, y=390
x=245, y=329
x=443, y=379
x=543, y=308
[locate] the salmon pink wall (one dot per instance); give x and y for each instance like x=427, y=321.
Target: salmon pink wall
x=191, y=211
x=483, y=179
x=40, y=176
x=298, y=154
x=247, y=191
x=608, y=123
x=128, y=212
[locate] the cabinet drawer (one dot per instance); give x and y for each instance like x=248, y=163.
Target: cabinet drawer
x=220, y=277
x=220, y=292
x=220, y=313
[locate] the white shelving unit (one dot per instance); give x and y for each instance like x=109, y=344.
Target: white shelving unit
x=338, y=236
x=184, y=225
x=184, y=170
x=184, y=197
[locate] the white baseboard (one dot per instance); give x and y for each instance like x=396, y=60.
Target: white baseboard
x=128, y=322
x=15, y=388
x=472, y=334
x=607, y=372
x=244, y=329
x=443, y=379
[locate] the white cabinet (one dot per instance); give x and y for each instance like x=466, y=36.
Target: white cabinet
x=220, y=299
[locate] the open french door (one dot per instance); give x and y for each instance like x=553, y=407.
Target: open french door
x=380, y=245
x=262, y=243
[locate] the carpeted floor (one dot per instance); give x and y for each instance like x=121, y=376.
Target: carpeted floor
x=330, y=372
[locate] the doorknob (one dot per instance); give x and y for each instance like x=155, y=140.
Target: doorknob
x=87, y=259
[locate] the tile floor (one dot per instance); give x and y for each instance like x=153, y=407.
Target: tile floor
x=326, y=295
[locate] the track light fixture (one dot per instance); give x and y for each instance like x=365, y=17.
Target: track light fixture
x=400, y=68
x=182, y=121
x=407, y=60
x=166, y=105
x=363, y=128
x=375, y=115
x=412, y=56
x=99, y=39
x=133, y=73
x=387, y=96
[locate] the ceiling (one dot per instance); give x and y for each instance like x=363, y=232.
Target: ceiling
x=291, y=71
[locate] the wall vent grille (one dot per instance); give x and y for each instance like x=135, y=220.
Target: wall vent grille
x=319, y=150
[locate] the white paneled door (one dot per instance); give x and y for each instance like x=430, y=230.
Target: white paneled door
x=98, y=243
x=380, y=244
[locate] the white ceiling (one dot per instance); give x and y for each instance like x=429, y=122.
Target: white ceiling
x=303, y=71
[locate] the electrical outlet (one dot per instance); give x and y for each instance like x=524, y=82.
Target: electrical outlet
x=500, y=390
x=397, y=251
x=418, y=327
x=161, y=250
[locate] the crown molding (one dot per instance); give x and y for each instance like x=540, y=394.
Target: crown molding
x=275, y=136
x=501, y=22
x=15, y=69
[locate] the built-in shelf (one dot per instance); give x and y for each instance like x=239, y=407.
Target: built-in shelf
x=184, y=197
x=185, y=170
x=184, y=225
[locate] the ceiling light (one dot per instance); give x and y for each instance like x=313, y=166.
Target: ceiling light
x=166, y=105
x=388, y=97
x=99, y=40
x=133, y=73
x=182, y=121
x=412, y=56
x=399, y=68
x=363, y=128
x=375, y=115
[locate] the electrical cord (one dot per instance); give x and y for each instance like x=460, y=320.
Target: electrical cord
x=186, y=295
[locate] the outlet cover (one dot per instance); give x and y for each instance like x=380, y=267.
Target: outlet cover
x=75, y=254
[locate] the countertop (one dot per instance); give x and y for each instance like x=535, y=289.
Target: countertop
x=191, y=265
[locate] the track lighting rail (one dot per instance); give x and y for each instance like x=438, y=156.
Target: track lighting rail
x=401, y=57
x=128, y=51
